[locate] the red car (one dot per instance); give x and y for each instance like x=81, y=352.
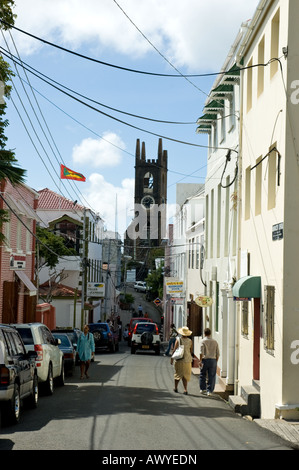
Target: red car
x=133, y=322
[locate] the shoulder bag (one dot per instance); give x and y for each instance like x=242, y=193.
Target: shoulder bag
x=179, y=352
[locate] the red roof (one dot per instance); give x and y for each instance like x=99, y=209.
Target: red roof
x=58, y=290
x=50, y=200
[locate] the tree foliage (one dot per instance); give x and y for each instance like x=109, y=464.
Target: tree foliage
x=55, y=243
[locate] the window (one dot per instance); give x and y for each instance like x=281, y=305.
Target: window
x=247, y=192
x=28, y=236
x=261, y=70
x=249, y=86
x=274, y=44
x=19, y=234
x=269, y=317
x=258, y=186
x=272, y=178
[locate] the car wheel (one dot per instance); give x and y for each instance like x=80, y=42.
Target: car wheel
x=49, y=384
x=157, y=352
x=60, y=379
x=33, y=399
x=133, y=350
x=13, y=410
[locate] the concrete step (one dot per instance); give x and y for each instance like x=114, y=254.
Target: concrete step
x=248, y=403
x=238, y=404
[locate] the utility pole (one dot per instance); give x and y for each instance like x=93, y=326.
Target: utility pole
x=83, y=263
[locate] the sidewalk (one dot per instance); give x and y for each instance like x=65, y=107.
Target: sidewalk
x=287, y=430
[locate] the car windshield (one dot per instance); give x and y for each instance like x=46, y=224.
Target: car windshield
x=99, y=327
x=145, y=320
x=142, y=327
x=63, y=338
x=26, y=335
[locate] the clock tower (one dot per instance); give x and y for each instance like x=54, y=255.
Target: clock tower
x=150, y=200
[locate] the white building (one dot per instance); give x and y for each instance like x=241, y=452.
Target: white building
x=220, y=121
x=185, y=255
x=269, y=255
x=83, y=231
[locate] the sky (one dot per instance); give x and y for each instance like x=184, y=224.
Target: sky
x=93, y=126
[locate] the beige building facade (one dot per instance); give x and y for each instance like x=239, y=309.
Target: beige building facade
x=268, y=261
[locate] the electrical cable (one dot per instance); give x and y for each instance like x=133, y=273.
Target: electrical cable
x=117, y=119
x=23, y=64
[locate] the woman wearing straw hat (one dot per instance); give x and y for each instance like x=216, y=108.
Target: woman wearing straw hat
x=183, y=367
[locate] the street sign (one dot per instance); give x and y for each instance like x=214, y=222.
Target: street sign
x=17, y=261
x=174, y=286
x=95, y=289
x=157, y=302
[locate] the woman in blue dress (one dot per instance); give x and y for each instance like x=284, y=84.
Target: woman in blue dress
x=85, y=348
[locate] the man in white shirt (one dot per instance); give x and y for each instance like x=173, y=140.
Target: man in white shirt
x=209, y=355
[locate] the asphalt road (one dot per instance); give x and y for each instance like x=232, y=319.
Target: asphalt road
x=128, y=404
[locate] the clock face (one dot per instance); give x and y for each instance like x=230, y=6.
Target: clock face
x=147, y=201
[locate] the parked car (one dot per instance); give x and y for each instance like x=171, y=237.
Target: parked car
x=140, y=286
x=145, y=337
x=104, y=336
x=69, y=352
x=73, y=334
x=49, y=360
x=18, y=374
x=132, y=324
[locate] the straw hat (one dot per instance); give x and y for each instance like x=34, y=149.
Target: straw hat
x=184, y=331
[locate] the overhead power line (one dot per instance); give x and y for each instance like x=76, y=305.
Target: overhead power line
x=27, y=66
x=92, y=59
x=108, y=115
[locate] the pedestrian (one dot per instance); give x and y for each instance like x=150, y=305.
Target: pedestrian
x=85, y=348
x=209, y=355
x=183, y=367
x=140, y=309
x=172, y=336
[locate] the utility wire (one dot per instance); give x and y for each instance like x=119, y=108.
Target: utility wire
x=180, y=75
x=23, y=64
x=101, y=62
x=157, y=50
x=116, y=119
x=32, y=91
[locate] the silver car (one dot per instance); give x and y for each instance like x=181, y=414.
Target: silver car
x=49, y=360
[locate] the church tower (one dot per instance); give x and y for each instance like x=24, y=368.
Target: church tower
x=150, y=200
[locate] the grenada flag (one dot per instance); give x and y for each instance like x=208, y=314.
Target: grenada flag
x=67, y=174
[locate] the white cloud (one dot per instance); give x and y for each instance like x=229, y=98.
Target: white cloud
x=190, y=34
x=99, y=153
x=110, y=200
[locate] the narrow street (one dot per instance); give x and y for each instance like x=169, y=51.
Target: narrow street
x=128, y=404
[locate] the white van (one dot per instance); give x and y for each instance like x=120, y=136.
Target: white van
x=49, y=360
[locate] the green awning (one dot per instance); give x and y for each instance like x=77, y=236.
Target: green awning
x=222, y=90
x=234, y=71
x=204, y=129
x=207, y=118
x=215, y=105
x=248, y=287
